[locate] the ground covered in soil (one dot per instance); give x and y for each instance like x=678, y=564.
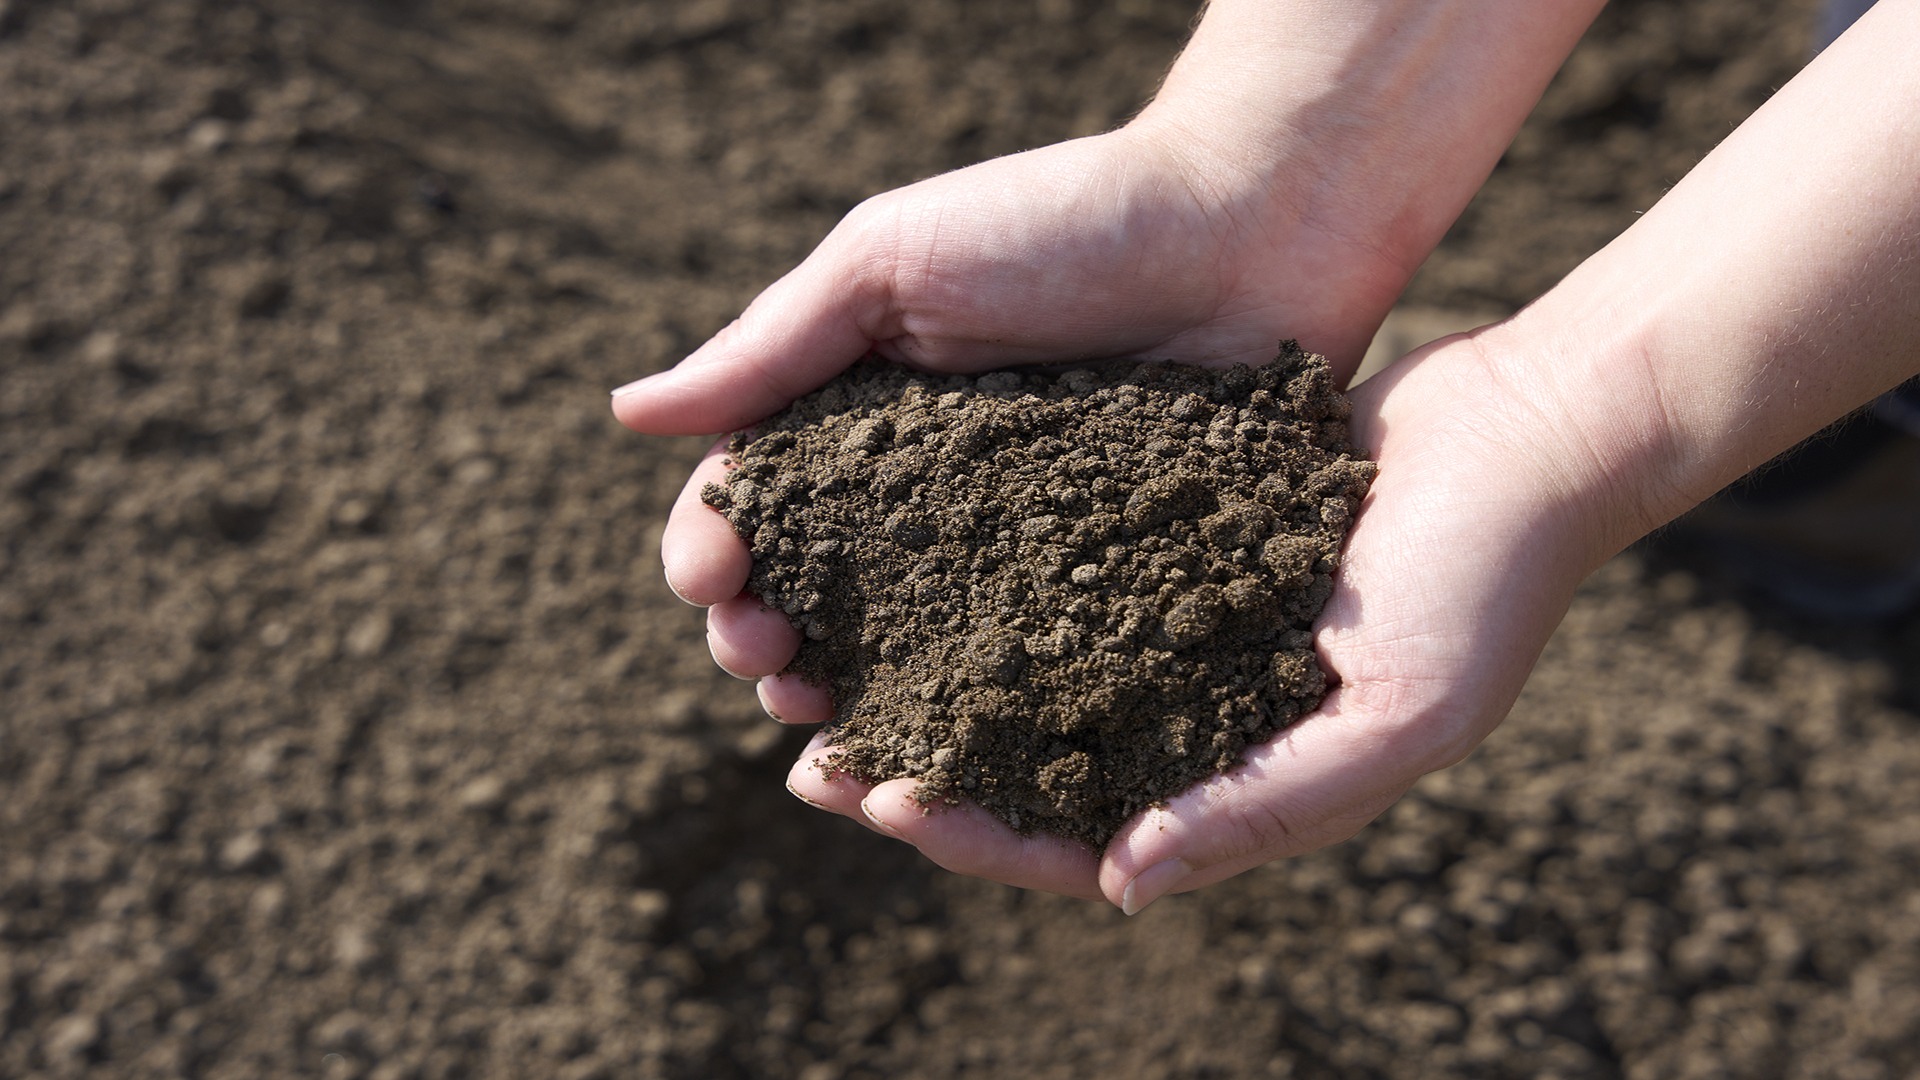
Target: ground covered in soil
x=347, y=728
x=1062, y=596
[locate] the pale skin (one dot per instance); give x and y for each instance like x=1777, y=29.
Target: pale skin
x=1299, y=163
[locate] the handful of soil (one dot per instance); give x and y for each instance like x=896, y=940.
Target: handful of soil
x=1065, y=596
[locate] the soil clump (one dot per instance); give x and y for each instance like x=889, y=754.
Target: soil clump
x=1063, y=596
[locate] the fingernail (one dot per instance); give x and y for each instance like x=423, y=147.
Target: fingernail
x=803, y=798
x=636, y=384
x=1153, y=883
x=877, y=823
x=760, y=691
x=715, y=653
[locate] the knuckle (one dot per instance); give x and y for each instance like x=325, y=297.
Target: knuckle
x=1403, y=722
x=1263, y=830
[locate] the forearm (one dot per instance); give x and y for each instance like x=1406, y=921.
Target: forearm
x=1377, y=120
x=1773, y=290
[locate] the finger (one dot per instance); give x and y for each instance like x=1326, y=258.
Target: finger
x=1316, y=783
x=749, y=639
x=705, y=560
x=791, y=699
x=968, y=840
x=803, y=330
x=814, y=782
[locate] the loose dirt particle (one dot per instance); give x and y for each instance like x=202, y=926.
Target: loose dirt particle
x=1063, y=596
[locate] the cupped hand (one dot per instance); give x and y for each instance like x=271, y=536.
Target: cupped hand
x=1116, y=245
x=1463, y=558
x=1109, y=246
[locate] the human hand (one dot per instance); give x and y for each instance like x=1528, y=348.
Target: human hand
x=1250, y=202
x=1426, y=663
x=1117, y=245
x=1464, y=557
x=1088, y=248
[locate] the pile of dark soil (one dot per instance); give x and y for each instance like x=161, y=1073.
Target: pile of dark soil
x=1065, y=597
x=348, y=730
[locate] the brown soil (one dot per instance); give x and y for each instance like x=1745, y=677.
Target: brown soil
x=348, y=730
x=1065, y=597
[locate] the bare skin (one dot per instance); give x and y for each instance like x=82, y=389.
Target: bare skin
x=1277, y=188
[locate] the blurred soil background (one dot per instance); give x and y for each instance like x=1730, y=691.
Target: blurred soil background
x=347, y=728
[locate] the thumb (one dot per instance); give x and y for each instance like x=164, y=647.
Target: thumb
x=803, y=330
x=1316, y=783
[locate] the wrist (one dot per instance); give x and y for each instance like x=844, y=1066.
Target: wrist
x=1771, y=292
x=1606, y=466
x=1374, y=123
x=1545, y=470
